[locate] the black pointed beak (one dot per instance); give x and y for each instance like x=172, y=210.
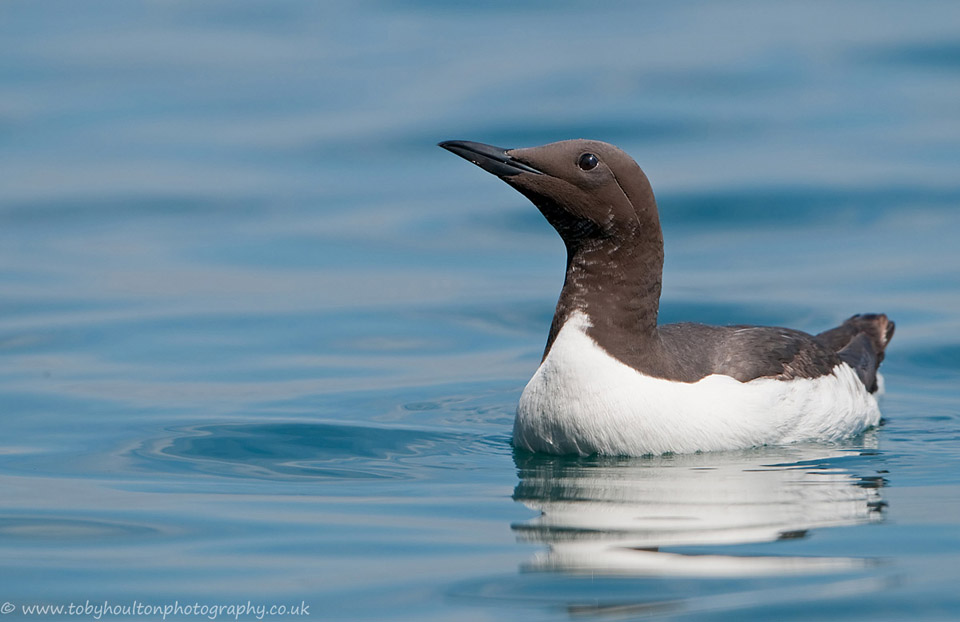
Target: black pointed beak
x=491, y=159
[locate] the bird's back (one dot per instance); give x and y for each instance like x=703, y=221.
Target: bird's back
x=750, y=352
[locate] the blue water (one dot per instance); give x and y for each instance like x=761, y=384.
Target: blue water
x=261, y=340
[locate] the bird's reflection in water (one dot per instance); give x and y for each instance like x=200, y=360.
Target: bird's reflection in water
x=623, y=516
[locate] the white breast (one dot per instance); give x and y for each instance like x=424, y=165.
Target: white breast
x=583, y=401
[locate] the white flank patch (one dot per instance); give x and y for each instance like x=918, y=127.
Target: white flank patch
x=584, y=401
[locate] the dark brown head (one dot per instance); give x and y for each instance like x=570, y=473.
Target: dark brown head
x=586, y=189
x=601, y=203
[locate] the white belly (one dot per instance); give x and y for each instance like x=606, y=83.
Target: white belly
x=583, y=401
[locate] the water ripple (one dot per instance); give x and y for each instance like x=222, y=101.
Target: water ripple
x=302, y=450
x=62, y=529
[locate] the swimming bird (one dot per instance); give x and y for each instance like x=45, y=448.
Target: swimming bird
x=613, y=381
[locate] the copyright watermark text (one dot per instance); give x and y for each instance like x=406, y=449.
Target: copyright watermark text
x=177, y=610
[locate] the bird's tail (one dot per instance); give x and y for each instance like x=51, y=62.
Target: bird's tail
x=861, y=342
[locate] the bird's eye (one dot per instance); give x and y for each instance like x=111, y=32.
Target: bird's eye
x=588, y=162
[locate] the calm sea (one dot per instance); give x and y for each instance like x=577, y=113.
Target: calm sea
x=261, y=340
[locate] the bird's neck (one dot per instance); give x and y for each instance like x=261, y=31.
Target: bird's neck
x=616, y=284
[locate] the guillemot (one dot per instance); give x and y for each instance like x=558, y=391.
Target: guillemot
x=613, y=381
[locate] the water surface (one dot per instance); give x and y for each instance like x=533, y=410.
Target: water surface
x=260, y=340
